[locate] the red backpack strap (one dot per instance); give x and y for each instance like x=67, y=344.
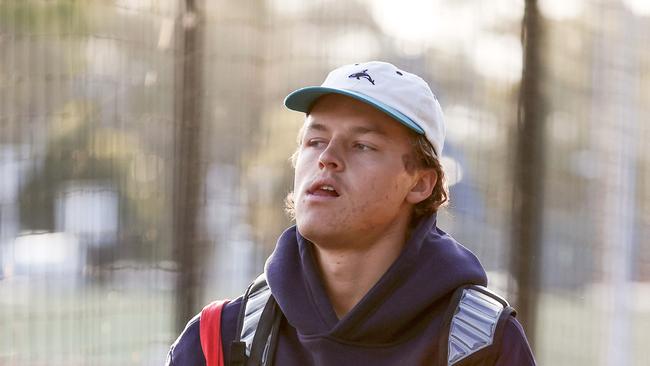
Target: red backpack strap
x=211, y=333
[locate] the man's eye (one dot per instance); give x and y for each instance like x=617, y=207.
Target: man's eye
x=362, y=147
x=315, y=143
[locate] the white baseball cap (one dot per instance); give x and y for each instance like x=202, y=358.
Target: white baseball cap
x=404, y=96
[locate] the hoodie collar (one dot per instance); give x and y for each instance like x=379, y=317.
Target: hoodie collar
x=429, y=268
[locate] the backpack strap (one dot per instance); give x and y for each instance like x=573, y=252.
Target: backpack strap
x=474, y=325
x=210, y=333
x=257, y=326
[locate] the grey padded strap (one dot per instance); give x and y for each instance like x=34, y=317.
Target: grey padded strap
x=474, y=323
x=258, y=296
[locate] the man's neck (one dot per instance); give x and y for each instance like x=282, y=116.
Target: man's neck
x=349, y=271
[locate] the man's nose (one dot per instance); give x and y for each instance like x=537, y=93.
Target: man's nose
x=330, y=158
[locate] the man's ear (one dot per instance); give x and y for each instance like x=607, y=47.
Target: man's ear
x=423, y=187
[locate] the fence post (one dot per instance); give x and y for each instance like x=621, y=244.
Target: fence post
x=529, y=175
x=187, y=162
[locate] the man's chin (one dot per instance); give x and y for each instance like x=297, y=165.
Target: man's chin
x=318, y=230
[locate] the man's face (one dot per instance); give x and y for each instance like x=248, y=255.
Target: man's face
x=351, y=183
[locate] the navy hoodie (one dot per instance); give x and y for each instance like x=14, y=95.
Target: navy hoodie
x=398, y=322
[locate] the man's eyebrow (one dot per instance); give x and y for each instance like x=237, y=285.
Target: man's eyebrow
x=316, y=126
x=362, y=129
x=357, y=129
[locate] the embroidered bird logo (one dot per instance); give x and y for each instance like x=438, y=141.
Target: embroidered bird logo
x=362, y=74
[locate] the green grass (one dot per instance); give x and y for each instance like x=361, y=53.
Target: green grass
x=92, y=325
x=573, y=330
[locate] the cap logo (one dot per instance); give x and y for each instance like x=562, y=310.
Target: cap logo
x=362, y=74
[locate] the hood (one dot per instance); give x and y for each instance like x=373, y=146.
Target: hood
x=431, y=266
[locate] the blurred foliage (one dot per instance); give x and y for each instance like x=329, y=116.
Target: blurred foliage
x=79, y=150
x=52, y=16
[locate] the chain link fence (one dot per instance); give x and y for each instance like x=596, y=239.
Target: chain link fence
x=94, y=97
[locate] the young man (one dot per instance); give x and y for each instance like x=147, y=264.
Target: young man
x=364, y=277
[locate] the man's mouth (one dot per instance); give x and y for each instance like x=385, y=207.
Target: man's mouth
x=323, y=189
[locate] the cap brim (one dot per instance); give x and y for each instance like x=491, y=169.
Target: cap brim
x=303, y=99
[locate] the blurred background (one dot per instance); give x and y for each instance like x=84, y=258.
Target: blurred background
x=144, y=159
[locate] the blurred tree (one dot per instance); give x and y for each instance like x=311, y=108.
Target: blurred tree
x=82, y=152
